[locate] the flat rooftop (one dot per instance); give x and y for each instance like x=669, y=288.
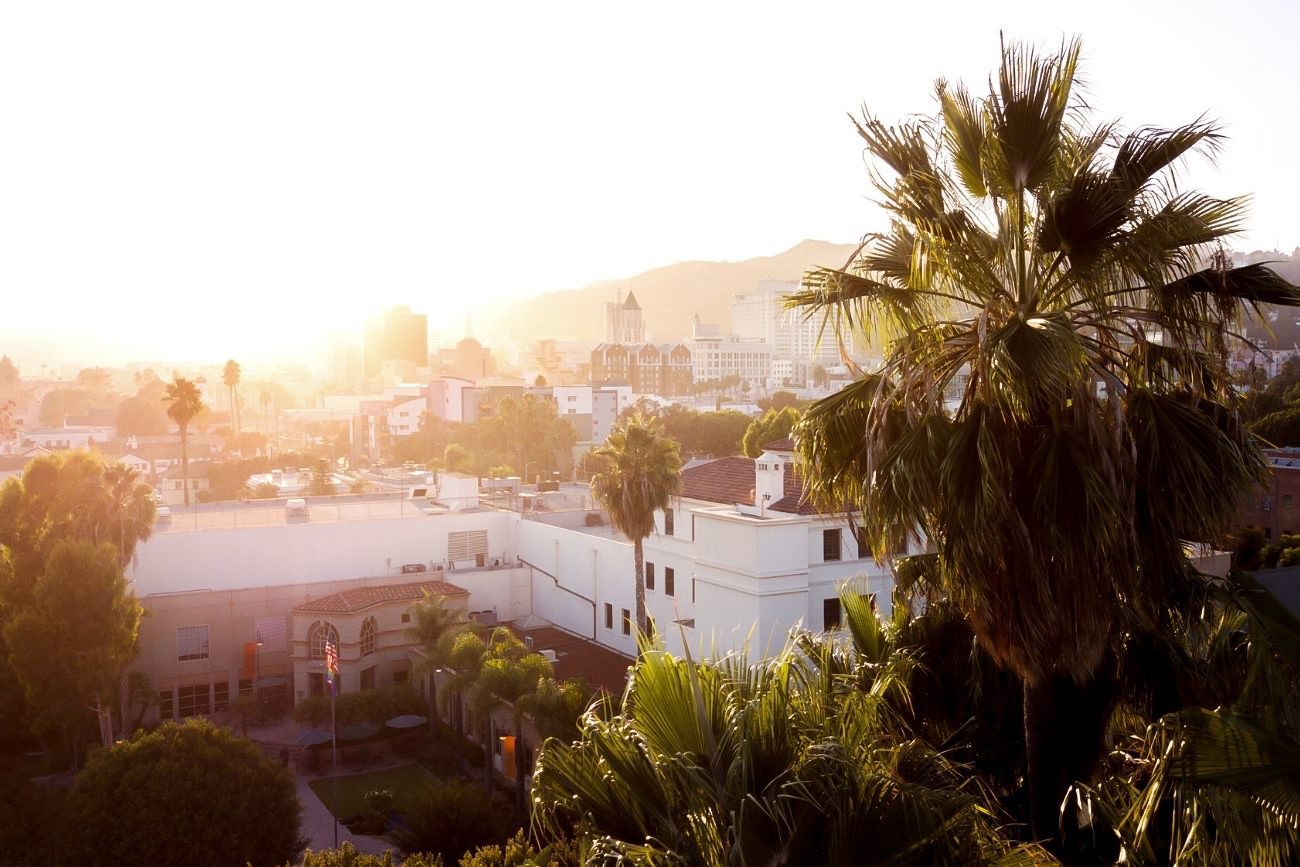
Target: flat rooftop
x=597, y=665
x=272, y=513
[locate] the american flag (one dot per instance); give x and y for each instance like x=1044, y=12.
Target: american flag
x=331, y=662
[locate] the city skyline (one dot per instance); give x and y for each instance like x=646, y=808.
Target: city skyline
x=285, y=172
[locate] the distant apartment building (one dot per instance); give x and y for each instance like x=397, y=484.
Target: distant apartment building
x=715, y=357
x=761, y=315
x=468, y=359
x=663, y=369
x=396, y=335
x=1275, y=507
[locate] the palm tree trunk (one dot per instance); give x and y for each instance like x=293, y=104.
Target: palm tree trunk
x=185, y=465
x=488, y=753
x=1065, y=724
x=642, y=625
x=520, y=797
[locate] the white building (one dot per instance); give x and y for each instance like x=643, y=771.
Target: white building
x=716, y=358
x=762, y=315
x=404, y=416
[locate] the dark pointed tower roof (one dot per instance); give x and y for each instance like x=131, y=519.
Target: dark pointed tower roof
x=630, y=303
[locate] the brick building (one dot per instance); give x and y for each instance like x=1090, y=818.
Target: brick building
x=1276, y=508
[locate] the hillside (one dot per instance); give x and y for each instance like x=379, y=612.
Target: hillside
x=669, y=296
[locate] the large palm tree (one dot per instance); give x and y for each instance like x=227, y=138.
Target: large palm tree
x=184, y=402
x=124, y=511
x=230, y=376
x=642, y=472
x=1053, y=411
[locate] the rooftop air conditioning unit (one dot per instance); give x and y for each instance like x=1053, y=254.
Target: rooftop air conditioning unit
x=409, y=568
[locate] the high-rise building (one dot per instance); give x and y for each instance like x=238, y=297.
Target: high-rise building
x=397, y=335
x=762, y=315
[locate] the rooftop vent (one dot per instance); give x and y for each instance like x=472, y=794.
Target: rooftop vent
x=410, y=568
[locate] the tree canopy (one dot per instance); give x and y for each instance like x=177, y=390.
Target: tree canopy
x=190, y=793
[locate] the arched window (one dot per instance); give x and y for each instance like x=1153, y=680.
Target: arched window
x=368, y=637
x=316, y=636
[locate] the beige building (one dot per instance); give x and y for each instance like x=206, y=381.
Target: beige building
x=369, y=625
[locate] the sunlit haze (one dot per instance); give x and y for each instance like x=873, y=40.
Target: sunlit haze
x=196, y=182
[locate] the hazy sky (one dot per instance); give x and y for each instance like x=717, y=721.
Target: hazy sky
x=194, y=180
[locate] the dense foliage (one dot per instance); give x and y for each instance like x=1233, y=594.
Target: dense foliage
x=188, y=793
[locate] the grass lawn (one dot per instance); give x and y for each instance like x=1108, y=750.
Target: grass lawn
x=405, y=781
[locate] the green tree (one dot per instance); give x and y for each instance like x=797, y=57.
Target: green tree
x=95, y=380
x=642, y=474
x=322, y=483
x=1281, y=428
x=184, y=402
x=774, y=425
x=456, y=458
x=433, y=628
x=448, y=820
x=513, y=674
x=140, y=417
x=188, y=793
x=531, y=432
x=230, y=377
x=60, y=403
x=1058, y=493
x=801, y=758
x=69, y=645
x=819, y=377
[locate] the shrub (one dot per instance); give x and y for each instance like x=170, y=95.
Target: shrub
x=448, y=819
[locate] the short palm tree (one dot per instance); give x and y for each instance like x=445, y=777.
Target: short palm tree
x=230, y=376
x=434, y=628
x=799, y=759
x=642, y=472
x=124, y=511
x=1054, y=410
x=513, y=675
x=184, y=402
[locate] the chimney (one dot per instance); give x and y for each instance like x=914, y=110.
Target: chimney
x=769, y=480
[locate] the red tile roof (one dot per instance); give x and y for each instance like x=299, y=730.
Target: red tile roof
x=361, y=598
x=731, y=480
x=785, y=444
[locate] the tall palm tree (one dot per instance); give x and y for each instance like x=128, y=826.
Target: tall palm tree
x=1054, y=410
x=230, y=376
x=124, y=511
x=642, y=472
x=184, y=402
x=513, y=675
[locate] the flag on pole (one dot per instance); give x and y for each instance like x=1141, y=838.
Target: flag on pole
x=331, y=664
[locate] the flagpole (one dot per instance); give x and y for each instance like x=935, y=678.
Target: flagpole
x=334, y=761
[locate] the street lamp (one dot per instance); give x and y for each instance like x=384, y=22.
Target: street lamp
x=257, y=664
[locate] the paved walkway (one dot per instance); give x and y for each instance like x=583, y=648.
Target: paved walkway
x=318, y=823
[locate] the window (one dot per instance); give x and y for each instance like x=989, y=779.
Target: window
x=692, y=589
x=368, y=678
x=627, y=622
x=193, y=700
x=316, y=638
x=401, y=677
x=668, y=522
x=649, y=576
x=864, y=550
x=191, y=643
x=670, y=582
x=1268, y=533
x=830, y=545
x=165, y=704
x=1287, y=501
x=245, y=687
x=368, y=637
x=406, y=617
x=609, y=616
x=221, y=696
x=831, y=612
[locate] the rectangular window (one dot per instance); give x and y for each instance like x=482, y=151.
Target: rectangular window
x=191, y=643
x=692, y=589
x=830, y=545
x=831, y=613
x=406, y=617
x=165, y=704
x=193, y=700
x=668, y=522
x=609, y=616
x=864, y=550
x=245, y=687
x=649, y=576
x=1287, y=501
x=221, y=696
x=670, y=582
x=627, y=622
x=368, y=678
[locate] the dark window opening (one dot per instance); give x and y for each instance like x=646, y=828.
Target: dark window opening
x=670, y=582
x=831, y=613
x=668, y=522
x=649, y=576
x=609, y=616
x=830, y=545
